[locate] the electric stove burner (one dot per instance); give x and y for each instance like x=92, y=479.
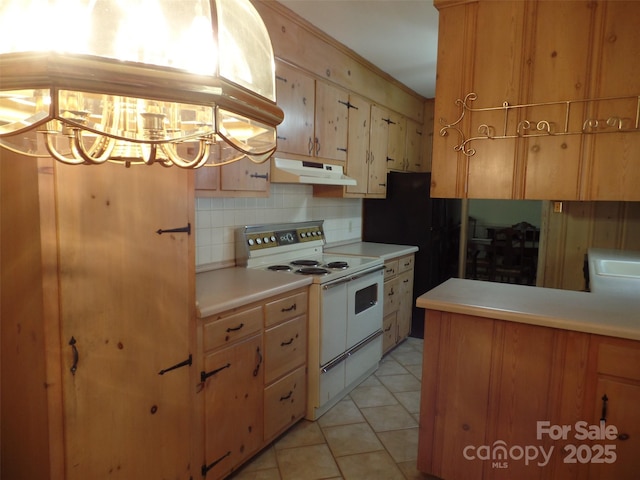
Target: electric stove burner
x=337, y=265
x=280, y=268
x=312, y=271
x=306, y=263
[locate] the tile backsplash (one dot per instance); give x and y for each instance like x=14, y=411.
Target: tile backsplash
x=217, y=219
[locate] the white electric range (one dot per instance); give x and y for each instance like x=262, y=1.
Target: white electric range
x=345, y=304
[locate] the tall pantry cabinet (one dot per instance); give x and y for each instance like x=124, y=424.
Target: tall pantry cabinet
x=97, y=321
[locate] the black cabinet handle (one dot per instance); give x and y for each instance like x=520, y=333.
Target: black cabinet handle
x=605, y=400
x=74, y=349
x=235, y=329
x=257, y=369
x=286, y=397
x=289, y=309
x=284, y=344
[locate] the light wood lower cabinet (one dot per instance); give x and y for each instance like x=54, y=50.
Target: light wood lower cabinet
x=489, y=384
x=253, y=378
x=398, y=298
x=233, y=412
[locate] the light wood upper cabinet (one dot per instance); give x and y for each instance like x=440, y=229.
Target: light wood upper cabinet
x=378, y=149
x=524, y=53
x=396, y=142
x=365, y=161
x=316, y=115
x=243, y=178
x=612, y=168
x=332, y=122
x=295, y=93
x=414, y=159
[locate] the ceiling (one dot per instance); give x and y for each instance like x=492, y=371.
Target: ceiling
x=398, y=36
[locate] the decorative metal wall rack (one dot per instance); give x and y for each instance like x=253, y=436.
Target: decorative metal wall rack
x=540, y=128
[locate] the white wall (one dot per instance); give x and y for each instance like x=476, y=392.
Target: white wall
x=217, y=218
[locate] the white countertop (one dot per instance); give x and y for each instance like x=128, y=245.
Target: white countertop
x=385, y=251
x=602, y=314
x=221, y=290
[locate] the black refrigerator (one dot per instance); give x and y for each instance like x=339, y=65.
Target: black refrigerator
x=409, y=216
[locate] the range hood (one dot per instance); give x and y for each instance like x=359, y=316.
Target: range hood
x=285, y=170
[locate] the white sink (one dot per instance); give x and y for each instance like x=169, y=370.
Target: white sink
x=618, y=268
x=614, y=271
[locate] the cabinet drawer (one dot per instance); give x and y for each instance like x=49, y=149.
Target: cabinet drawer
x=285, y=308
x=285, y=348
x=619, y=359
x=227, y=329
x=391, y=296
x=390, y=268
x=405, y=263
x=284, y=402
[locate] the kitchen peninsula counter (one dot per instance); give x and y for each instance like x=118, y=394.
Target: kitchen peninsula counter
x=227, y=288
x=601, y=314
x=500, y=360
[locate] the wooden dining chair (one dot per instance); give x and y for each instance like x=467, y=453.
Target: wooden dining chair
x=509, y=262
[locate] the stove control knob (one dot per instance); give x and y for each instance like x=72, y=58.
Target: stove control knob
x=259, y=241
x=250, y=242
x=273, y=238
x=265, y=239
x=303, y=234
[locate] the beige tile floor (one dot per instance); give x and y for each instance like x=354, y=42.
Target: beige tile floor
x=372, y=434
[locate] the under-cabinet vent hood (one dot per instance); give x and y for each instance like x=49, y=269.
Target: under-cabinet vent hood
x=285, y=170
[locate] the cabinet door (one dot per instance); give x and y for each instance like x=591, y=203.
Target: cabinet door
x=498, y=52
x=396, y=142
x=617, y=396
x=125, y=306
x=233, y=405
x=358, y=155
x=621, y=411
x=405, y=303
x=284, y=402
x=207, y=179
x=379, y=138
x=414, y=149
x=615, y=173
x=295, y=94
x=561, y=58
x=331, y=122
x=245, y=176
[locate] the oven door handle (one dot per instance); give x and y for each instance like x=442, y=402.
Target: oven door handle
x=350, y=278
x=368, y=272
x=343, y=356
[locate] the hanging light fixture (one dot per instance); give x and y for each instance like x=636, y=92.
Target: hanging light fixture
x=176, y=82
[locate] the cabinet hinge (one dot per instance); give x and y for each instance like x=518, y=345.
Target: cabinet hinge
x=348, y=104
x=186, y=230
x=257, y=175
x=206, y=468
x=204, y=375
x=184, y=363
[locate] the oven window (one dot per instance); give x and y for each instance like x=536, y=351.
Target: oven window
x=366, y=298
